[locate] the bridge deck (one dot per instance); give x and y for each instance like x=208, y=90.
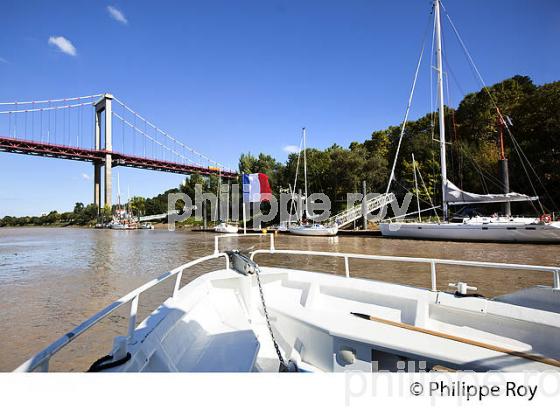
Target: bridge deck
x=27, y=147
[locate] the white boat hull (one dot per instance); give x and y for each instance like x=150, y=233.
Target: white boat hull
x=521, y=231
x=324, y=322
x=313, y=230
x=226, y=228
x=207, y=326
x=122, y=227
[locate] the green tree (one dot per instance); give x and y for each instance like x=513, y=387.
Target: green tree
x=106, y=213
x=138, y=205
x=78, y=208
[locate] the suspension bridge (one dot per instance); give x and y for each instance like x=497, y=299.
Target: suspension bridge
x=102, y=130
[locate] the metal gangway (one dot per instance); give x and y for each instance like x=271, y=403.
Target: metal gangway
x=156, y=217
x=349, y=215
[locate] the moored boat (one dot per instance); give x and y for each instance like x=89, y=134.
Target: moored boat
x=306, y=228
x=226, y=228
x=314, y=229
x=478, y=229
x=540, y=229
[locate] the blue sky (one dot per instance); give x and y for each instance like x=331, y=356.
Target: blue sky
x=228, y=77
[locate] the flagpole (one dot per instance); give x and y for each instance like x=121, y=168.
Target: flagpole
x=244, y=219
x=243, y=201
x=305, y=171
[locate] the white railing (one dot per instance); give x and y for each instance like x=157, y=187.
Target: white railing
x=555, y=270
x=41, y=360
x=239, y=235
x=156, y=217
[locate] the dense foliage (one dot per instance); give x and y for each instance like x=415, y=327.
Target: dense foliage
x=81, y=215
x=473, y=152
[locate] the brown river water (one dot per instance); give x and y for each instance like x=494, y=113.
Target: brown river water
x=51, y=279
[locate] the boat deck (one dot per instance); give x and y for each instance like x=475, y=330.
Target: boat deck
x=331, y=322
x=217, y=324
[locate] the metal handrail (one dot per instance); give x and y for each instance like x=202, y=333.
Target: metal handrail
x=555, y=270
x=239, y=235
x=41, y=360
x=351, y=214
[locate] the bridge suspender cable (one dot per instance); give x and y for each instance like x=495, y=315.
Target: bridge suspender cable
x=167, y=135
x=155, y=141
x=65, y=123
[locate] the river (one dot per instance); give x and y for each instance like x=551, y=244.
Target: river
x=51, y=279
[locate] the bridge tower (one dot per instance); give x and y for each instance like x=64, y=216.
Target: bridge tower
x=103, y=111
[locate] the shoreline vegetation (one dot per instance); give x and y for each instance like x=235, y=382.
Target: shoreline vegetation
x=473, y=155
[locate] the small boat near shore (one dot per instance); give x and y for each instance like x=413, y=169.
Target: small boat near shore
x=313, y=230
x=226, y=228
x=304, y=227
x=123, y=225
x=249, y=317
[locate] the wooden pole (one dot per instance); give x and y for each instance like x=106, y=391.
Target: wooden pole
x=364, y=206
x=527, y=356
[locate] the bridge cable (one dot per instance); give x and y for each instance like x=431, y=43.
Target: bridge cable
x=51, y=100
x=167, y=135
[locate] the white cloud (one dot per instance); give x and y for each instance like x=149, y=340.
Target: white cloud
x=86, y=177
x=63, y=45
x=291, y=149
x=117, y=15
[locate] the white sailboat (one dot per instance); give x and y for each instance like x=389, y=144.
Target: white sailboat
x=122, y=220
x=310, y=229
x=501, y=229
x=265, y=318
x=119, y=221
x=313, y=229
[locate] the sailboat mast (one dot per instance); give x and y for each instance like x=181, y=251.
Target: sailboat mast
x=119, y=190
x=219, y=189
x=305, y=171
x=503, y=163
x=441, y=109
x=416, y=187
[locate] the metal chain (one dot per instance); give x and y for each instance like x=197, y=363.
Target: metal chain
x=283, y=365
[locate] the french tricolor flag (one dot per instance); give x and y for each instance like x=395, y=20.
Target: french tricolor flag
x=256, y=188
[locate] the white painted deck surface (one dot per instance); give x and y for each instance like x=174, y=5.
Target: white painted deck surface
x=217, y=321
x=216, y=324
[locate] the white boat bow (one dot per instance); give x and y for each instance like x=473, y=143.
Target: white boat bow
x=324, y=322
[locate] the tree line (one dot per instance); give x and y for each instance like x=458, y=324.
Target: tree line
x=83, y=215
x=472, y=129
